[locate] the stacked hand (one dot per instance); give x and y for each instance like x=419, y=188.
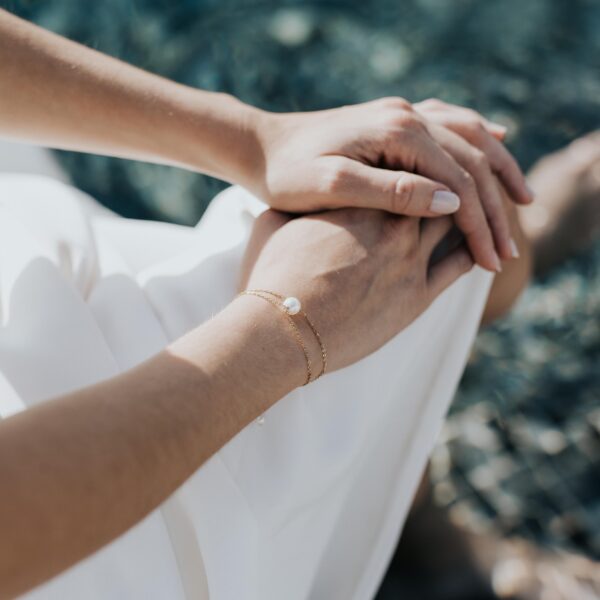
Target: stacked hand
x=363, y=274
x=427, y=159
x=358, y=264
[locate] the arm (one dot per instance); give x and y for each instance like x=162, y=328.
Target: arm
x=61, y=94
x=79, y=470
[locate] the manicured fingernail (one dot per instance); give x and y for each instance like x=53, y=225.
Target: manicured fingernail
x=497, y=264
x=513, y=249
x=530, y=191
x=499, y=129
x=444, y=202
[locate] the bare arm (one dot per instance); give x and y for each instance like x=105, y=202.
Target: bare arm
x=79, y=470
x=60, y=94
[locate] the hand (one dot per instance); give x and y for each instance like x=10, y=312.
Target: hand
x=475, y=143
x=381, y=154
x=483, y=135
x=362, y=275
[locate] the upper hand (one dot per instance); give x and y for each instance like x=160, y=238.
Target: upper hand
x=476, y=144
x=385, y=154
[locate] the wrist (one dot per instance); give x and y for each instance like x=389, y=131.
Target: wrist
x=247, y=357
x=217, y=134
x=267, y=344
x=301, y=327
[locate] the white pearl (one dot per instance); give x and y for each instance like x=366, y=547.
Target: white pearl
x=292, y=305
x=261, y=420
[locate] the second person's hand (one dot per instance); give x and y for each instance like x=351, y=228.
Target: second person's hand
x=362, y=275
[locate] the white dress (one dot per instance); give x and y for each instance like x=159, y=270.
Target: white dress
x=308, y=504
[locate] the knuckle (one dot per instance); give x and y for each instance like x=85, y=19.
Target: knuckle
x=406, y=125
x=396, y=103
x=480, y=162
x=466, y=182
x=433, y=103
x=403, y=194
x=397, y=120
x=410, y=121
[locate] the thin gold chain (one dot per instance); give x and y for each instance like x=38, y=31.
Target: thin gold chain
x=294, y=327
x=312, y=327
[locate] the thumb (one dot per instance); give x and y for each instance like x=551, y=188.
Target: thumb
x=398, y=192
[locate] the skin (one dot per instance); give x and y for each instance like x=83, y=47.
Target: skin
x=137, y=437
x=515, y=276
x=383, y=154
x=363, y=275
x=329, y=159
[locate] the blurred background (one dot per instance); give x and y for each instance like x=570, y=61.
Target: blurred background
x=519, y=458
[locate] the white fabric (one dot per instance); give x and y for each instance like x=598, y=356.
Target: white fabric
x=308, y=505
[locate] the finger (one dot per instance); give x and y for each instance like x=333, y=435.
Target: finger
x=434, y=162
x=445, y=272
x=399, y=192
x=452, y=112
x=433, y=232
x=495, y=129
x=507, y=169
x=487, y=136
x=477, y=164
x=483, y=134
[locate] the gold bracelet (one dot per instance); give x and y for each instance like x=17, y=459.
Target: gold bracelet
x=292, y=306
x=296, y=307
x=294, y=327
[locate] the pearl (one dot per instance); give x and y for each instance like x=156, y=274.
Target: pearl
x=292, y=305
x=261, y=420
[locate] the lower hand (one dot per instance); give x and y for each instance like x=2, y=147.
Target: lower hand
x=362, y=275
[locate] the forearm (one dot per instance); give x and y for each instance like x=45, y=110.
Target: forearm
x=60, y=94
x=79, y=470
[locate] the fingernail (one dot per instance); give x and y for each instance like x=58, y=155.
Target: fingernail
x=530, y=191
x=499, y=129
x=444, y=202
x=497, y=264
x=513, y=249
